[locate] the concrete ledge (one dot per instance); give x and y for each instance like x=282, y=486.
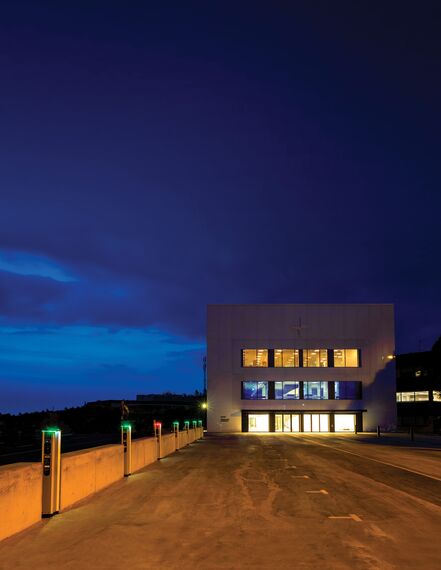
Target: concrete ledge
x=88, y=471
x=20, y=497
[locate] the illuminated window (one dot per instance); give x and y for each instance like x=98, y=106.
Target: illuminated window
x=421, y=396
x=286, y=358
x=408, y=396
x=258, y=422
x=344, y=422
x=287, y=390
x=287, y=422
x=315, y=422
x=345, y=357
x=254, y=390
x=347, y=390
x=413, y=396
x=315, y=391
x=315, y=357
x=436, y=396
x=255, y=358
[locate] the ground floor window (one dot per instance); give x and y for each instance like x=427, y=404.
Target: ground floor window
x=258, y=422
x=301, y=422
x=344, y=422
x=315, y=422
x=287, y=422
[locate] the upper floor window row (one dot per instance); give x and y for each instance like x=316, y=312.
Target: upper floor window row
x=299, y=390
x=301, y=358
x=420, y=396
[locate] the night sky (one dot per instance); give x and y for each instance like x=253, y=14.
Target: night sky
x=159, y=156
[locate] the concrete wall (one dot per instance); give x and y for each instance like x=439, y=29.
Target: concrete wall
x=20, y=497
x=144, y=452
x=82, y=473
x=88, y=471
x=182, y=439
x=231, y=328
x=192, y=435
x=168, y=444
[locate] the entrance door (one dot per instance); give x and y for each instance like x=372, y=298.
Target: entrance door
x=295, y=422
x=316, y=422
x=287, y=422
x=258, y=422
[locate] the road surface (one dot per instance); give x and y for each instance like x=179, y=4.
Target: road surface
x=272, y=501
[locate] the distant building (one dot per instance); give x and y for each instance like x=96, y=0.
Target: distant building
x=300, y=368
x=419, y=390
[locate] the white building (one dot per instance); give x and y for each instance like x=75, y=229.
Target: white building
x=300, y=368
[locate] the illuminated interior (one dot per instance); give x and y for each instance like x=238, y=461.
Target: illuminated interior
x=315, y=357
x=315, y=422
x=315, y=390
x=286, y=358
x=287, y=390
x=345, y=357
x=422, y=396
x=255, y=358
x=344, y=422
x=258, y=422
x=287, y=422
x=255, y=390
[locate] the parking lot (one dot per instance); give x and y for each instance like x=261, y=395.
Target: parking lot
x=256, y=501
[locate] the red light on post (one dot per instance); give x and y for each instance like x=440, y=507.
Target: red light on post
x=158, y=425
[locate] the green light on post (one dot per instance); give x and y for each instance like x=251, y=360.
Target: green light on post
x=51, y=430
x=175, y=424
x=200, y=423
x=126, y=425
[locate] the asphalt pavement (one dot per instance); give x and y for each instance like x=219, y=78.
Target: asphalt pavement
x=271, y=501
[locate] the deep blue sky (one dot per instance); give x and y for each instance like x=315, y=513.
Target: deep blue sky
x=158, y=156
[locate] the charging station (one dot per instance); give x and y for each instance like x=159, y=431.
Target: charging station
x=186, y=425
x=51, y=464
x=126, y=440
x=195, y=424
x=158, y=434
x=176, y=429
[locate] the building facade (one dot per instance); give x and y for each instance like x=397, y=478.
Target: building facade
x=419, y=390
x=300, y=368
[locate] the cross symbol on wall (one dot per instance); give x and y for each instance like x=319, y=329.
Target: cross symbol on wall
x=299, y=327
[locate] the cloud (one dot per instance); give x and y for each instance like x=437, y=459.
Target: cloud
x=92, y=363
x=24, y=263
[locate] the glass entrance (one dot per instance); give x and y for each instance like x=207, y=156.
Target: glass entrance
x=258, y=422
x=287, y=422
x=316, y=422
